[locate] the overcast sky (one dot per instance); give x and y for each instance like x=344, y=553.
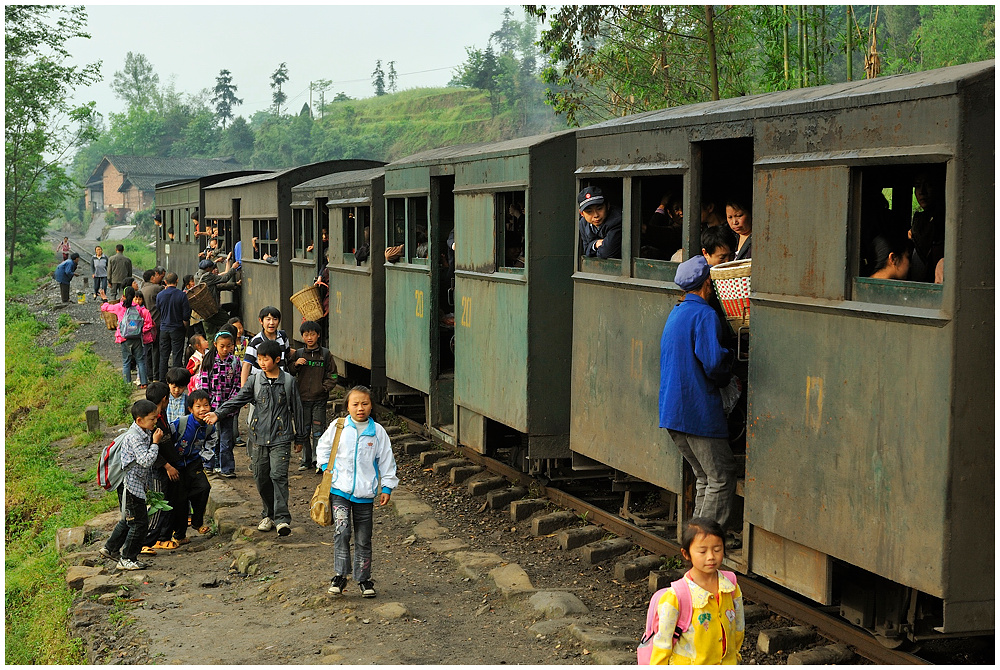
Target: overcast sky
x=190, y=44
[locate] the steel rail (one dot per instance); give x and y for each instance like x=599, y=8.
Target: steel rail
x=829, y=626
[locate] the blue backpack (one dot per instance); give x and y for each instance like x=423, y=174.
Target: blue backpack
x=130, y=327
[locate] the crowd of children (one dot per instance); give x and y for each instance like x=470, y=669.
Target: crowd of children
x=186, y=430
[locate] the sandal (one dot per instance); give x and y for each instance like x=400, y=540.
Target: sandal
x=148, y=551
x=166, y=544
x=205, y=530
x=182, y=540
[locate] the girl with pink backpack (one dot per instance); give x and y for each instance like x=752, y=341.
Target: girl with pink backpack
x=697, y=620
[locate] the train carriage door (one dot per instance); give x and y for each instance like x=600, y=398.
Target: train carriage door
x=442, y=226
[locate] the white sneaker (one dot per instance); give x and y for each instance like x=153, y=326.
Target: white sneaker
x=128, y=564
x=265, y=524
x=284, y=529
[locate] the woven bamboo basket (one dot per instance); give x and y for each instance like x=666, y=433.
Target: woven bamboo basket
x=110, y=320
x=732, y=285
x=308, y=303
x=202, y=301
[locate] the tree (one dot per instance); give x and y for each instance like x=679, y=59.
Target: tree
x=955, y=34
x=279, y=77
x=320, y=86
x=378, y=78
x=392, y=76
x=237, y=140
x=225, y=97
x=41, y=126
x=342, y=97
x=136, y=84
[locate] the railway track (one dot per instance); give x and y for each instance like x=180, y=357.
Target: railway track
x=827, y=625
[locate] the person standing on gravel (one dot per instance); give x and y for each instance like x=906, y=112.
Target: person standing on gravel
x=175, y=312
x=99, y=271
x=151, y=287
x=64, y=274
x=363, y=469
x=119, y=272
x=63, y=248
x=694, y=366
x=277, y=420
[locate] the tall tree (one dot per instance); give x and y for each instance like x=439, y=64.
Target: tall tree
x=225, y=97
x=392, y=76
x=136, y=83
x=41, y=125
x=278, y=78
x=319, y=86
x=378, y=78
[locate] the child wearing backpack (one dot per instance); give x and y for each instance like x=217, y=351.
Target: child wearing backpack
x=133, y=322
x=698, y=620
x=277, y=419
x=363, y=469
x=177, y=382
x=138, y=448
x=316, y=374
x=197, y=346
x=194, y=438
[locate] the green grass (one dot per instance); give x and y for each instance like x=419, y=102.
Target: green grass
x=40, y=497
x=143, y=258
x=29, y=265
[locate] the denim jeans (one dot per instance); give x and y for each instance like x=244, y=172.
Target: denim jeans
x=171, y=346
x=223, y=459
x=314, y=411
x=270, y=474
x=344, y=513
x=714, y=468
x=132, y=352
x=99, y=283
x=130, y=531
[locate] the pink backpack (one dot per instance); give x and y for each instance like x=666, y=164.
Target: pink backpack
x=645, y=649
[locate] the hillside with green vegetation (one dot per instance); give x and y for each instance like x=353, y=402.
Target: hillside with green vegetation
x=392, y=126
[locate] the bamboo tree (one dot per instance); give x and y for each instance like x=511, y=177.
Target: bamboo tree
x=713, y=69
x=802, y=46
x=850, y=46
x=784, y=21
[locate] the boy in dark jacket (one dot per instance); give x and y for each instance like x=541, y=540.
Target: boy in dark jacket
x=276, y=421
x=165, y=477
x=316, y=374
x=193, y=435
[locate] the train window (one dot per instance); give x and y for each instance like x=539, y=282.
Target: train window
x=350, y=225
x=265, y=238
x=169, y=225
x=363, y=215
x=612, y=192
x=395, y=233
x=187, y=224
x=510, y=229
x=900, y=221
x=224, y=232
x=417, y=228
x=303, y=243
x=357, y=235
x=657, y=216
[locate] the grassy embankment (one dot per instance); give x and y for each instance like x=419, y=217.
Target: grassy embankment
x=404, y=123
x=45, y=399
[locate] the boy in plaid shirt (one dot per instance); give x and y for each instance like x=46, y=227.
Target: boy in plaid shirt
x=139, y=446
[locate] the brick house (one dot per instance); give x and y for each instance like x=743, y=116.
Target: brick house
x=129, y=182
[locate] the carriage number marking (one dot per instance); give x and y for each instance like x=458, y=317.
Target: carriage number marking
x=467, y=311
x=419, y=295
x=340, y=297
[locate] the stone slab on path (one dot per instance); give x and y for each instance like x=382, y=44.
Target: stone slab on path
x=557, y=604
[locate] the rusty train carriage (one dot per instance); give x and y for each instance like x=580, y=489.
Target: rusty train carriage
x=351, y=205
x=260, y=205
x=870, y=439
x=176, y=202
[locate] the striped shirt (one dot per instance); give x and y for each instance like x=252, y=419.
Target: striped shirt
x=251, y=355
x=138, y=455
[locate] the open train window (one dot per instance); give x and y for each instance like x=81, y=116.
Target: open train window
x=187, y=224
x=303, y=233
x=510, y=229
x=899, y=225
x=356, y=223
x=590, y=245
x=265, y=238
x=224, y=232
x=657, y=216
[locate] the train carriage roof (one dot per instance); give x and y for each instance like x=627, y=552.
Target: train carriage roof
x=881, y=90
x=463, y=152
x=352, y=178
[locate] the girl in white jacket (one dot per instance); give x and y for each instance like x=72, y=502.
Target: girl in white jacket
x=363, y=469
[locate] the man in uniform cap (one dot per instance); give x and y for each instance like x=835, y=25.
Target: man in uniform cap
x=600, y=226
x=694, y=366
